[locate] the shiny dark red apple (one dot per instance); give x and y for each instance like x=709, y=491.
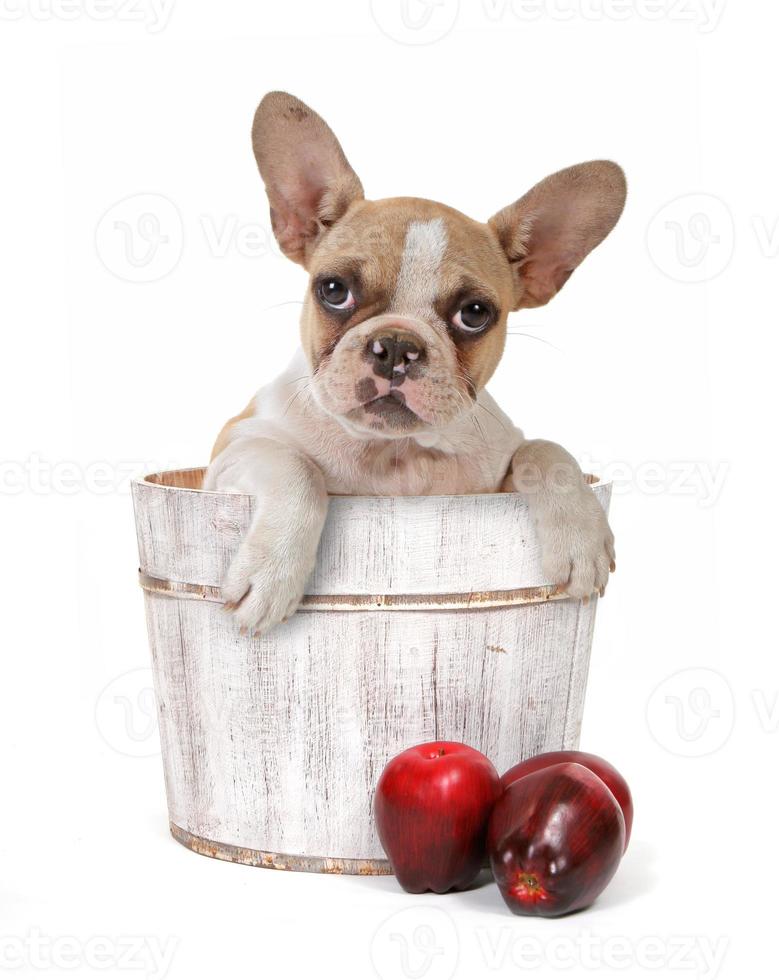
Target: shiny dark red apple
x=555, y=839
x=432, y=806
x=613, y=779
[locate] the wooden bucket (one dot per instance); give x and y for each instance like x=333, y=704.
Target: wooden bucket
x=425, y=618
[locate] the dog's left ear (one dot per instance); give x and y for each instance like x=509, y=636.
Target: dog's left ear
x=548, y=232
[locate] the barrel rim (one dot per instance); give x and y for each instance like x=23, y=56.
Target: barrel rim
x=149, y=481
x=253, y=857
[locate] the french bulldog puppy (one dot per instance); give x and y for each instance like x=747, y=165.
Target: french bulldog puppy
x=403, y=324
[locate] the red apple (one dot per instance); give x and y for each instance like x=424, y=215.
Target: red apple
x=614, y=780
x=555, y=840
x=432, y=805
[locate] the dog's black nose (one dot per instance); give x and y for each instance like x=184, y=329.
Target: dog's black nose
x=393, y=354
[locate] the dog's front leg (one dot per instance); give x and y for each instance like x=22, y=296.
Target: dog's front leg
x=265, y=582
x=577, y=546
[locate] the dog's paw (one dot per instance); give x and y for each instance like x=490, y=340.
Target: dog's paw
x=263, y=587
x=577, y=546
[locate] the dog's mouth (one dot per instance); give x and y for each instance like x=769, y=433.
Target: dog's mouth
x=392, y=409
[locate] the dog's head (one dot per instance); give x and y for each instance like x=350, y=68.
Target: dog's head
x=405, y=317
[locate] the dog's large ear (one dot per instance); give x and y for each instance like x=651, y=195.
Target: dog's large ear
x=549, y=231
x=307, y=177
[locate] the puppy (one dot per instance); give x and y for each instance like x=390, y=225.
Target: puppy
x=403, y=324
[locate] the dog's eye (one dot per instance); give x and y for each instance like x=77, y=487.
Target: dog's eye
x=335, y=294
x=473, y=317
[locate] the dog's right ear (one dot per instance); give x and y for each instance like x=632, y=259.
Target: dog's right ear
x=307, y=177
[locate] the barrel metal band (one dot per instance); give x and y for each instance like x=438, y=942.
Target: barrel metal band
x=348, y=603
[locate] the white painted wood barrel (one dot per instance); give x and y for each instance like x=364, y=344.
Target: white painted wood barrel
x=425, y=618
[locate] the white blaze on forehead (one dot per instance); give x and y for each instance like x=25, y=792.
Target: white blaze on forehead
x=423, y=253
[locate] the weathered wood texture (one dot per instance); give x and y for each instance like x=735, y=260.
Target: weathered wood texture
x=275, y=744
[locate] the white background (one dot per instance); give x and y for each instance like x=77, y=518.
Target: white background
x=127, y=344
